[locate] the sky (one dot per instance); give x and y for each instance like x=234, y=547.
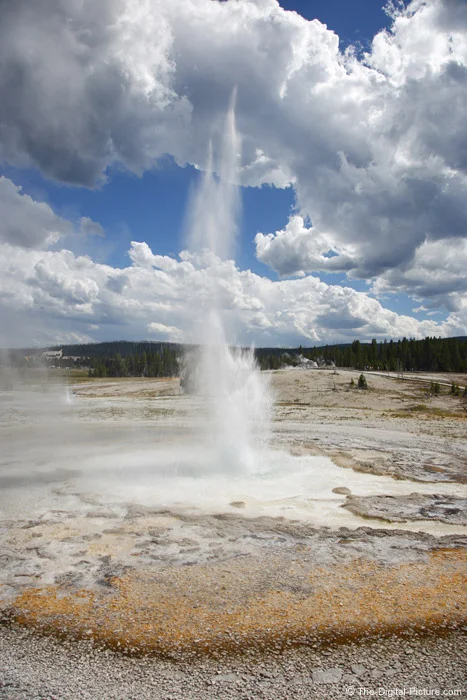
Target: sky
x=353, y=178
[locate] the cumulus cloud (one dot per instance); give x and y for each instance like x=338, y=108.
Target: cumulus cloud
x=25, y=222
x=162, y=330
x=375, y=146
x=64, y=293
x=437, y=274
x=88, y=227
x=85, y=84
x=299, y=249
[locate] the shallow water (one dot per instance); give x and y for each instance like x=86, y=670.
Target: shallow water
x=52, y=453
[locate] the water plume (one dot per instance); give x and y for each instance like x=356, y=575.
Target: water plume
x=236, y=394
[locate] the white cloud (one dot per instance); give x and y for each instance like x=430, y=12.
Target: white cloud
x=88, y=227
x=86, y=84
x=298, y=249
x=25, y=222
x=265, y=169
x=376, y=147
x=45, y=295
x=437, y=274
x=170, y=333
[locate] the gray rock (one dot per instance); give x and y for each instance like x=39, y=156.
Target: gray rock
x=349, y=679
x=358, y=669
x=415, y=506
x=343, y=490
x=224, y=678
x=329, y=675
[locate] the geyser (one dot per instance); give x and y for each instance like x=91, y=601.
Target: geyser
x=237, y=395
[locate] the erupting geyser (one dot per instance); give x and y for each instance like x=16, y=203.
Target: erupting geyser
x=237, y=395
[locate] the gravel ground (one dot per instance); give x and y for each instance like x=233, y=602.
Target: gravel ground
x=33, y=667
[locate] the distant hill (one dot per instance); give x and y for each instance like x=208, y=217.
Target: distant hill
x=123, y=347
x=430, y=354
x=156, y=358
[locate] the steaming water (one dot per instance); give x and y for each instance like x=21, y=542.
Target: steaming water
x=75, y=457
x=65, y=452
x=236, y=394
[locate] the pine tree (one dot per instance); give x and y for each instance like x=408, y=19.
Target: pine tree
x=362, y=383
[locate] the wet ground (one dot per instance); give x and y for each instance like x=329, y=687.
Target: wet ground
x=118, y=525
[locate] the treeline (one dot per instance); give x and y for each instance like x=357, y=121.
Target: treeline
x=428, y=355
x=158, y=359
x=124, y=348
x=162, y=361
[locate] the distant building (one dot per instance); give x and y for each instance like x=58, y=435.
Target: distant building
x=51, y=355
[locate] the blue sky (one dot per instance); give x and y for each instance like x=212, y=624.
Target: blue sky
x=152, y=207
x=355, y=21
x=144, y=197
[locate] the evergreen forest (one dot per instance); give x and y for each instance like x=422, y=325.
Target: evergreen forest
x=158, y=359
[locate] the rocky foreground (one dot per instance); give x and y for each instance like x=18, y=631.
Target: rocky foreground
x=429, y=666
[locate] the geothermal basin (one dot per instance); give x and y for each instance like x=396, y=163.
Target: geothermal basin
x=119, y=521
